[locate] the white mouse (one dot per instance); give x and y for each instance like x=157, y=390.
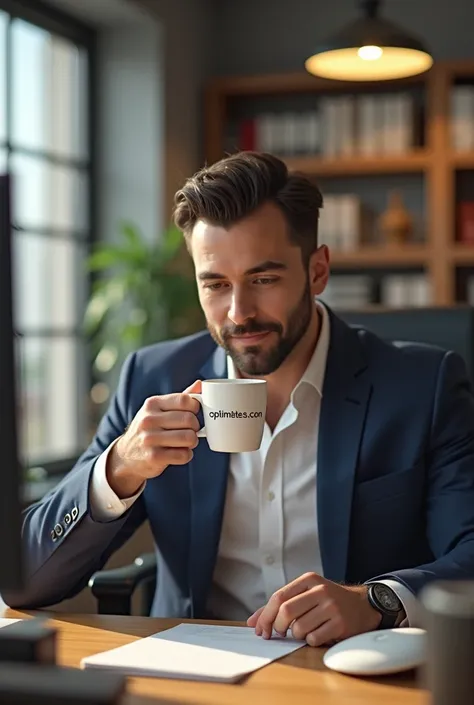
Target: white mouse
x=379, y=652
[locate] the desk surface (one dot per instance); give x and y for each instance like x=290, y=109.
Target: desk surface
x=298, y=678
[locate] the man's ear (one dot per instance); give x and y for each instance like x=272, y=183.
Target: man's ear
x=319, y=270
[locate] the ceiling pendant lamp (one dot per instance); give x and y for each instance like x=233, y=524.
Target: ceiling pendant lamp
x=370, y=49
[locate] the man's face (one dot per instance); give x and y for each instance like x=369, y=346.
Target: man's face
x=256, y=294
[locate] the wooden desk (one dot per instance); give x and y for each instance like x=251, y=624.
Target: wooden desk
x=298, y=679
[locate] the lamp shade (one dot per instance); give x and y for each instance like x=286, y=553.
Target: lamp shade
x=370, y=49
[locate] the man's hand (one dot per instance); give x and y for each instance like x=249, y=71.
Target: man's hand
x=164, y=432
x=317, y=610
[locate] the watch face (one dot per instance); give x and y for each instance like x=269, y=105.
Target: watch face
x=387, y=598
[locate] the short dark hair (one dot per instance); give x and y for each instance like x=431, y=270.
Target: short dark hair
x=232, y=188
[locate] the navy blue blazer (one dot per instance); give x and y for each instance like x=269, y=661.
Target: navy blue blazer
x=395, y=477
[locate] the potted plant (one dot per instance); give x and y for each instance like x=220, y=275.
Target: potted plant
x=146, y=293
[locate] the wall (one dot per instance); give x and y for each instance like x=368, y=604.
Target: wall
x=189, y=35
x=130, y=130
x=260, y=36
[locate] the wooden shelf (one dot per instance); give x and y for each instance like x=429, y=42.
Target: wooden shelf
x=438, y=163
x=381, y=257
x=462, y=160
x=300, y=82
x=462, y=254
x=417, y=161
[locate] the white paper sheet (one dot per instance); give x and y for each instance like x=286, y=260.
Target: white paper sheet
x=4, y=622
x=196, y=652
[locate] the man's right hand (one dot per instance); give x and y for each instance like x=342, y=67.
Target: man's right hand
x=164, y=432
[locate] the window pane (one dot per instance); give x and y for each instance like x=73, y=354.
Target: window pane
x=49, y=282
x=3, y=160
x=49, y=81
x=48, y=196
x=67, y=100
x=31, y=53
x=3, y=83
x=51, y=406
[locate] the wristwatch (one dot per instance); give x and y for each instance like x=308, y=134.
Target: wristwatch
x=386, y=602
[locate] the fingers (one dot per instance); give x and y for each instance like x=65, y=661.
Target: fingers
x=194, y=388
x=252, y=620
x=296, y=608
x=175, y=402
x=328, y=632
x=176, y=456
x=170, y=420
x=265, y=622
x=182, y=438
x=313, y=619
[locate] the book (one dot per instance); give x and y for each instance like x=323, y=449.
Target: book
x=195, y=652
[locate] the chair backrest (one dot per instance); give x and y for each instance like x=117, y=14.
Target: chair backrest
x=448, y=328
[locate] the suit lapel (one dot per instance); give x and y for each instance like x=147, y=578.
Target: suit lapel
x=346, y=393
x=208, y=482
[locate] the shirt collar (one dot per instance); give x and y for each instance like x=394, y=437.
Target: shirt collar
x=316, y=369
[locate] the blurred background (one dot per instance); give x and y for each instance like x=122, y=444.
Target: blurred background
x=106, y=106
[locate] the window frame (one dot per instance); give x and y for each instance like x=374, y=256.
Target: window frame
x=60, y=23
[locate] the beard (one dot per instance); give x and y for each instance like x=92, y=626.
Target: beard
x=255, y=361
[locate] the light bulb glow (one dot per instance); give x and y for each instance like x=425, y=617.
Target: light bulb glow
x=347, y=65
x=370, y=53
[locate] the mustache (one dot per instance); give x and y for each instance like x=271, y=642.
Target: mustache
x=249, y=328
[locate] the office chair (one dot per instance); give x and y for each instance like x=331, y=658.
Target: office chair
x=115, y=587
x=449, y=328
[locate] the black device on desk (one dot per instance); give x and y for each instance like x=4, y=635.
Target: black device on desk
x=28, y=673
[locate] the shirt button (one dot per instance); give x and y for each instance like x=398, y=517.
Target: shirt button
x=269, y=560
x=271, y=496
x=109, y=506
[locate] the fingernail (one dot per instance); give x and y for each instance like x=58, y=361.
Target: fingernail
x=266, y=635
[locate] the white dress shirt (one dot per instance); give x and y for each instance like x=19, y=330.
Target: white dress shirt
x=269, y=531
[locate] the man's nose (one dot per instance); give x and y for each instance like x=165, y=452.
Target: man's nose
x=241, y=308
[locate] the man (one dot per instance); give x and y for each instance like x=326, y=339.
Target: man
x=363, y=488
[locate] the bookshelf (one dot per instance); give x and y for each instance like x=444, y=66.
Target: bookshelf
x=432, y=166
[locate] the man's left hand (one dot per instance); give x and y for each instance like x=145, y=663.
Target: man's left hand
x=317, y=610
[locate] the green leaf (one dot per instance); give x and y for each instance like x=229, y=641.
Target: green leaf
x=142, y=296
x=172, y=241
x=131, y=234
x=106, y=258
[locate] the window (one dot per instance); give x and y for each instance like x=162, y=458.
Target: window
x=45, y=70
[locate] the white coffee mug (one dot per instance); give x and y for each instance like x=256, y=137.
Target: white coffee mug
x=234, y=413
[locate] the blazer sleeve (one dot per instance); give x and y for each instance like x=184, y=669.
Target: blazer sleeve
x=62, y=544
x=449, y=481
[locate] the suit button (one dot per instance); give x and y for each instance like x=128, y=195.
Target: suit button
x=75, y=513
x=58, y=530
x=53, y=536
x=67, y=519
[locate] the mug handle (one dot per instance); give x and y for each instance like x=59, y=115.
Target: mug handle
x=202, y=431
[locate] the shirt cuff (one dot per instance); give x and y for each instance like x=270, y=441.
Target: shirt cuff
x=407, y=598
x=103, y=502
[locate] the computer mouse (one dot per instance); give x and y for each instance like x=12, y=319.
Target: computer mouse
x=379, y=652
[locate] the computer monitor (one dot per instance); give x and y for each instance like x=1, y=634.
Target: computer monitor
x=11, y=572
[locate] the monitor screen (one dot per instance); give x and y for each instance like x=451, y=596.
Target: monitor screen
x=10, y=468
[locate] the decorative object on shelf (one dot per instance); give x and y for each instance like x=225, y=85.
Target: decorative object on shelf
x=395, y=224
x=370, y=49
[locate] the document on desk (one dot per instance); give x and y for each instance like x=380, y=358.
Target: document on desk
x=4, y=622
x=195, y=652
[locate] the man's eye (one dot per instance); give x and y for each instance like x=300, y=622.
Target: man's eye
x=265, y=280
x=214, y=286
